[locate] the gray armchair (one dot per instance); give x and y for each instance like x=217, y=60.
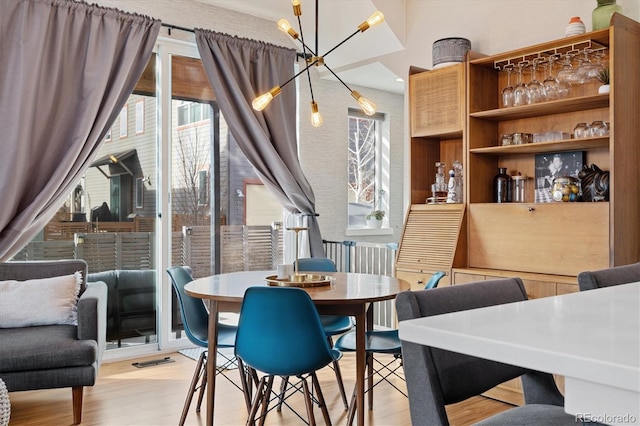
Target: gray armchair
x=55, y=356
x=589, y=280
x=437, y=377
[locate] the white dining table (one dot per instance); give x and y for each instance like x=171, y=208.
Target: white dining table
x=592, y=338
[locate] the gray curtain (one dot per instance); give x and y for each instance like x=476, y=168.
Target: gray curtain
x=239, y=69
x=66, y=70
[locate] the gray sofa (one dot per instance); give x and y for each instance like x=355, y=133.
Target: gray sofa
x=55, y=356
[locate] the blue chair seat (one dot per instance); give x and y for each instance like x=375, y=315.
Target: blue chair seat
x=379, y=341
x=335, y=324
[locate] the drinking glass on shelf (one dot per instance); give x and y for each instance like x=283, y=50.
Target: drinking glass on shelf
x=598, y=129
x=564, y=77
x=582, y=130
x=520, y=92
x=550, y=83
x=534, y=87
x=507, y=92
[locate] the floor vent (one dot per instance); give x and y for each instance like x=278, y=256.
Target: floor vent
x=153, y=362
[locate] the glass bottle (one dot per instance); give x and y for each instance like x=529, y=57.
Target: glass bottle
x=601, y=16
x=518, y=183
x=502, y=186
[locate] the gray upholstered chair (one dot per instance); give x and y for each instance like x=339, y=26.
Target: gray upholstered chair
x=589, y=280
x=55, y=356
x=437, y=377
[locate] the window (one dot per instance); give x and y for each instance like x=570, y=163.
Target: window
x=367, y=166
x=139, y=193
x=193, y=112
x=140, y=117
x=107, y=137
x=123, y=122
x=203, y=193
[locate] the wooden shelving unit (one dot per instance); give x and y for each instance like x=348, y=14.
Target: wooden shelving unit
x=546, y=244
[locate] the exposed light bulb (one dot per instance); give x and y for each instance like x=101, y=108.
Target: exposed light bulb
x=285, y=27
x=316, y=118
x=374, y=19
x=367, y=106
x=297, y=9
x=262, y=101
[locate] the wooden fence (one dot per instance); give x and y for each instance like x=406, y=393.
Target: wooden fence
x=243, y=248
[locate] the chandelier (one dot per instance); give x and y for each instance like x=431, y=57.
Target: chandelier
x=312, y=59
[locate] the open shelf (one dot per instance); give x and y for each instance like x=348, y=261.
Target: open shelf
x=580, y=103
x=551, y=146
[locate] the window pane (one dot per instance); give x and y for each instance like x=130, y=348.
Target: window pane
x=203, y=187
x=362, y=160
x=183, y=114
x=196, y=113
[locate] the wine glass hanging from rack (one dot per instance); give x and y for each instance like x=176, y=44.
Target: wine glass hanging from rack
x=590, y=55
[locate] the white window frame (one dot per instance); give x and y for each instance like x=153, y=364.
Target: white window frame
x=382, y=173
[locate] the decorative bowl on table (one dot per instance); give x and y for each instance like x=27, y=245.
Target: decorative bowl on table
x=300, y=280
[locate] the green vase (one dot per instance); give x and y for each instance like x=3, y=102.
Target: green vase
x=601, y=17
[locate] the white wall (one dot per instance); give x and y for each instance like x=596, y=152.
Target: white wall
x=493, y=26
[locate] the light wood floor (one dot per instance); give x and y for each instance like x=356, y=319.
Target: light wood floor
x=126, y=395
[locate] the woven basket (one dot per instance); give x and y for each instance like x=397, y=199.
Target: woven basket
x=5, y=405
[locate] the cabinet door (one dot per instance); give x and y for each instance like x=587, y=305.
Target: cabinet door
x=551, y=238
x=436, y=100
x=419, y=279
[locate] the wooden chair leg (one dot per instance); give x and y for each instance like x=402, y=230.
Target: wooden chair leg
x=336, y=369
x=192, y=387
x=323, y=405
x=246, y=382
x=251, y=420
x=308, y=403
x=352, y=408
x=203, y=384
x=283, y=390
x=266, y=396
x=370, y=379
x=77, y=393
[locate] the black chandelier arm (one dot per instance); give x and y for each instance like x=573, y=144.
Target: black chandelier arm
x=339, y=79
x=304, y=50
x=298, y=73
x=341, y=43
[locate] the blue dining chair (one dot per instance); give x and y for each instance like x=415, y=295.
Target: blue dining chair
x=195, y=320
x=280, y=334
x=383, y=342
x=333, y=325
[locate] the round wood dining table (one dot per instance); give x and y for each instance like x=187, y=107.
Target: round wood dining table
x=349, y=294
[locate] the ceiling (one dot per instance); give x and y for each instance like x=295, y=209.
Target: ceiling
x=360, y=60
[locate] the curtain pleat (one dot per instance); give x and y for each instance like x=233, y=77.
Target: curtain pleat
x=238, y=69
x=66, y=70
